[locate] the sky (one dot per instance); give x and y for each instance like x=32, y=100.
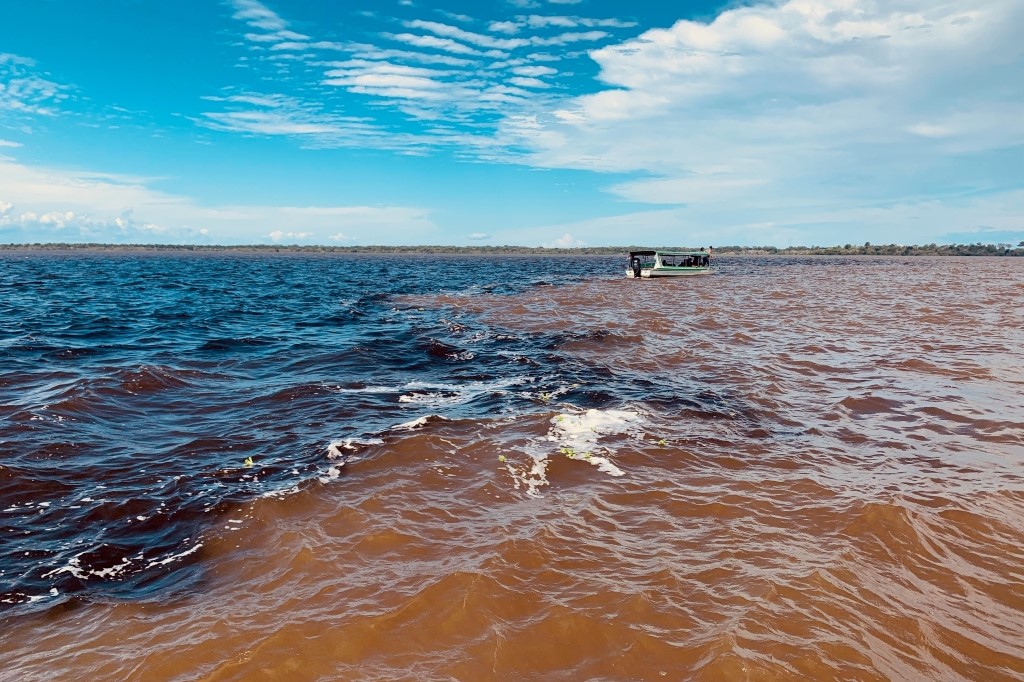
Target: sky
x=512, y=122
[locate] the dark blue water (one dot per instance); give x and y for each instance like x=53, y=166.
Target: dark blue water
x=142, y=396
x=237, y=466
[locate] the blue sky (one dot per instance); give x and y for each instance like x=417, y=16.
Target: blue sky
x=527, y=122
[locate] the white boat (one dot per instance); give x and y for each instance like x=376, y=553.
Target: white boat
x=669, y=263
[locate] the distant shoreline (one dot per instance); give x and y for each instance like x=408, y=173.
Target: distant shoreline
x=435, y=250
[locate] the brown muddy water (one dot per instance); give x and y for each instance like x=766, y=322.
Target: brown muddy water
x=792, y=469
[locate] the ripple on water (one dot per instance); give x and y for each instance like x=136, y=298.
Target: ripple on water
x=793, y=469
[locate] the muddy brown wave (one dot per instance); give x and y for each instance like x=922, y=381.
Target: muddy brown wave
x=794, y=469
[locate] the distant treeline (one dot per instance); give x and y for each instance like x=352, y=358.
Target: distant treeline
x=867, y=249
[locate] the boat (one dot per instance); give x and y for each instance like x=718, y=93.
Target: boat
x=669, y=263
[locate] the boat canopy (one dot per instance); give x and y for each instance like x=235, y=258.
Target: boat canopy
x=695, y=252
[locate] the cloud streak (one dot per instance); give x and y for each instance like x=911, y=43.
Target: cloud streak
x=280, y=115
x=440, y=73
x=23, y=91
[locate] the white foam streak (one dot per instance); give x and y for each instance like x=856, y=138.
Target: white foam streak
x=578, y=437
x=417, y=423
x=74, y=567
x=175, y=557
x=339, y=449
x=431, y=393
x=367, y=389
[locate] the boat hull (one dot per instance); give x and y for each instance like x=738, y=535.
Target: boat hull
x=648, y=273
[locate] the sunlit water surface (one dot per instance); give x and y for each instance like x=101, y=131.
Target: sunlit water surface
x=319, y=467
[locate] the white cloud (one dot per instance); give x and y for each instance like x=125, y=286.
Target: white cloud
x=435, y=43
x=68, y=226
x=464, y=18
x=361, y=51
x=566, y=241
x=509, y=27
x=539, y=21
x=536, y=21
x=460, y=92
x=528, y=82
x=258, y=15
x=274, y=115
x=807, y=110
x=301, y=46
x=45, y=204
x=292, y=237
x=542, y=57
x=505, y=94
x=387, y=80
x=8, y=143
x=12, y=60
x=771, y=118
x=269, y=123
x=534, y=71
x=23, y=91
x=275, y=37
x=454, y=95
x=366, y=66
x=273, y=30
x=930, y=130
x=479, y=236
x=477, y=39
x=992, y=218
x=567, y=38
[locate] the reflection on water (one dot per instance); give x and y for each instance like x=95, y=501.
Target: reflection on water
x=792, y=469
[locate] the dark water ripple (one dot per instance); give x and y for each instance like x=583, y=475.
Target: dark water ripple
x=136, y=389
x=796, y=469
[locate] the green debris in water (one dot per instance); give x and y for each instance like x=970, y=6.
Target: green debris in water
x=248, y=461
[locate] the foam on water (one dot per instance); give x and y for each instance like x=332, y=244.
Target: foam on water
x=583, y=432
x=419, y=422
x=341, y=449
x=453, y=393
x=364, y=389
x=587, y=436
x=800, y=469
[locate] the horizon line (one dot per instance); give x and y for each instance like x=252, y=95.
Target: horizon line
x=976, y=248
